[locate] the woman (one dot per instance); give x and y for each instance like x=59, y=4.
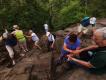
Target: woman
x=20, y=38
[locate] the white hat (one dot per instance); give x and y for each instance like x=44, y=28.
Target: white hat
x=48, y=33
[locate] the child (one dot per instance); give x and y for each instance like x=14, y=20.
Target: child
x=34, y=38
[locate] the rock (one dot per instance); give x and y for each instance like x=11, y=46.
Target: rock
x=21, y=68
x=19, y=77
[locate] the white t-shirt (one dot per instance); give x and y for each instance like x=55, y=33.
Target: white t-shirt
x=51, y=38
x=34, y=37
x=46, y=26
x=92, y=20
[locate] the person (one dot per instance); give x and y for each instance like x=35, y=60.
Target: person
x=46, y=27
x=82, y=28
x=71, y=44
x=10, y=42
x=97, y=59
x=93, y=21
x=50, y=41
x=35, y=38
x=20, y=38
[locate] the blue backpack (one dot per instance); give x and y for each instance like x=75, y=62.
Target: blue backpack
x=85, y=22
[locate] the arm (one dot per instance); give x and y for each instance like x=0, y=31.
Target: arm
x=6, y=31
x=89, y=47
x=13, y=32
x=27, y=36
x=65, y=48
x=81, y=62
x=1, y=38
x=53, y=41
x=78, y=50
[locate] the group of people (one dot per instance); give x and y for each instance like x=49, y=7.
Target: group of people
x=17, y=37
x=92, y=57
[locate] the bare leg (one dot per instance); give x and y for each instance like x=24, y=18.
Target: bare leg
x=11, y=53
x=36, y=44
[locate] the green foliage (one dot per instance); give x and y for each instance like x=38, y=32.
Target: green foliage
x=58, y=13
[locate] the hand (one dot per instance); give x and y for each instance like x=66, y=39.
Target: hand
x=76, y=52
x=51, y=46
x=69, y=57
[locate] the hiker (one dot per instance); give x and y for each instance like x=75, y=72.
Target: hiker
x=50, y=41
x=94, y=56
x=10, y=42
x=20, y=38
x=93, y=21
x=83, y=28
x=71, y=44
x=34, y=38
x=46, y=27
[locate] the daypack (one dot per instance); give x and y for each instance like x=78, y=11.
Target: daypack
x=54, y=36
x=85, y=22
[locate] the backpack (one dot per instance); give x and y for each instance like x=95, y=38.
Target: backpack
x=85, y=22
x=54, y=36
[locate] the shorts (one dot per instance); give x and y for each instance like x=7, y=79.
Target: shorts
x=82, y=29
x=22, y=40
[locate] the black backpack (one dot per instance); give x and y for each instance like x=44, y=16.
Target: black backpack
x=54, y=36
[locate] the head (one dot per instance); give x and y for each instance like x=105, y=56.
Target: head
x=15, y=27
x=47, y=34
x=99, y=36
x=72, y=38
x=30, y=31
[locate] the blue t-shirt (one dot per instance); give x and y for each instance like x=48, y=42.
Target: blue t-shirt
x=70, y=46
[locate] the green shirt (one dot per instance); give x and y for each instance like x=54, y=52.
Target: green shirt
x=99, y=59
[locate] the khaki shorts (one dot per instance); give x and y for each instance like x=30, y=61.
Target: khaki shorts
x=82, y=29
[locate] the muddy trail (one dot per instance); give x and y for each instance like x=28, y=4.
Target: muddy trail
x=39, y=64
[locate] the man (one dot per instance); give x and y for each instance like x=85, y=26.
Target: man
x=51, y=41
x=98, y=55
x=82, y=29
x=71, y=44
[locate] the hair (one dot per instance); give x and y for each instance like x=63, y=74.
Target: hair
x=102, y=31
x=30, y=31
x=73, y=38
